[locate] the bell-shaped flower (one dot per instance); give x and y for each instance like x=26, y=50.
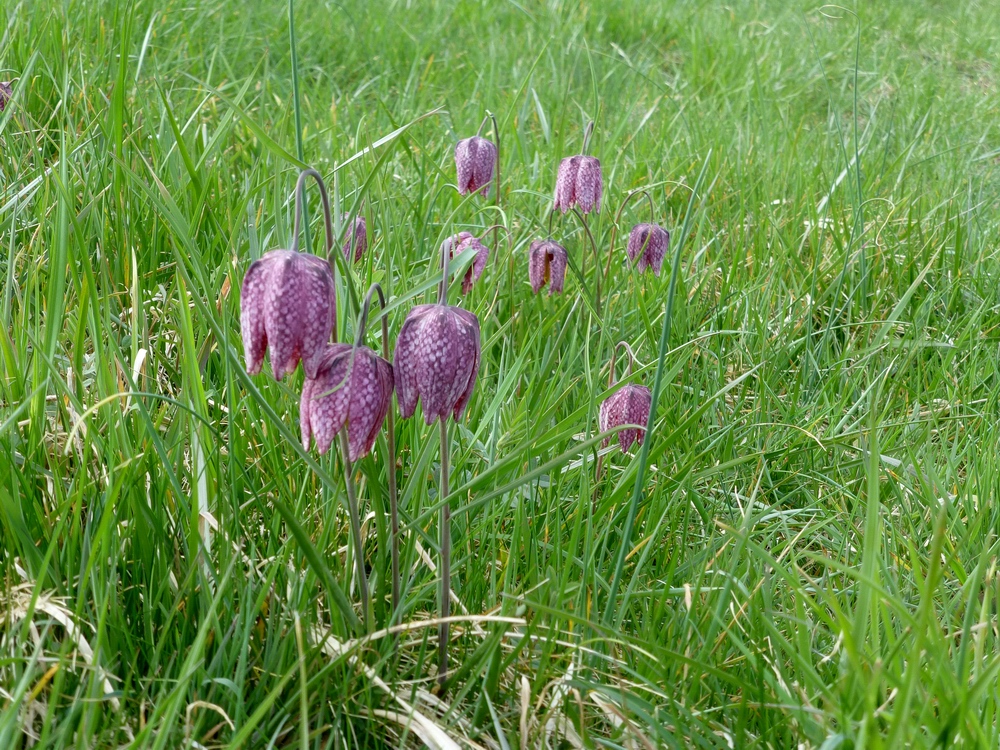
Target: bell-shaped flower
x=437, y=361
x=288, y=307
x=6, y=92
x=458, y=244
x=628, y=405
x=546, y=265
x=648, y=243
x=475, y=159
x=357, y=237
x=355, y=394
x=579, y=184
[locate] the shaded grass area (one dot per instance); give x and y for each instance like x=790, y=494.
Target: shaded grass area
x=814, y=558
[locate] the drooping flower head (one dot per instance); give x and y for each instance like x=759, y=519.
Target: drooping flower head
x=648, y=243
x=287, y=303
x=475, y=158
x=344, y=393
x=6, y=92
x=288, y=307
x=458, y=244
x=579, y=184
x=357, y=236
x=437, y=361
x=628, y=405
x=546, y=264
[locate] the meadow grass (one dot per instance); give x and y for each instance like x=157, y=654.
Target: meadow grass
x=813, y=559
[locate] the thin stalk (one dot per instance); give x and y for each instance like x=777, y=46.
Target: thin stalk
x=597, y=259
x=352, y=507
x=496, y=174
x=300, y=208
x=640, y=475
x=614, y=226
x=445, y=531
x=296, y=104
x=587, y=132
x=611, y=382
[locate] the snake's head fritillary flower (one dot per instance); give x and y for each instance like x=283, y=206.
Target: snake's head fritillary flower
x=458, y=244
x=287, y=306
x=579, y=184
x=437, y=361
x=628, y=405
x=6, y=92
x=343, y=393
x=475, y=159
x=546, y=265
x=357, y=236
x=648, y=243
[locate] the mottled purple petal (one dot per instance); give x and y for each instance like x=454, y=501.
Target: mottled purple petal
x=537, y=265
x=325, y=400
x=252, y=325
x=474, y=162
x=357, y=237
x=6, y=92
x=471, y=330
x=648, y=243
x=299, y=311
x=436, y=360
x=566, y=183
x=628, y=405
x=588, y=184
x=547, y=265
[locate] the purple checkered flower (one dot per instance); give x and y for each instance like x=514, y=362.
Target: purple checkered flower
x=579, y=184
x=628, y=405
x=648, y=243
x=6, y=92
x=357, y=235
x=437, y=361
x=458, y=244
x=287, y=305
x=546, y=265
x=475, y=158
x=343, y=393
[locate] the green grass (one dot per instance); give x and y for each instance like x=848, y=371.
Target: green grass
x=814, y=556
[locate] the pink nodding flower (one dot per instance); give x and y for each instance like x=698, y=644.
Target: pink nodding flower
x=459, y=243
x=648, y=243
x=579, y=184
x=628, y=405
x=437, y=361
x=287, y=305
x=6, y=92
x=475, y=159
x=356, y=393
x=357, y=235
x=546, y=264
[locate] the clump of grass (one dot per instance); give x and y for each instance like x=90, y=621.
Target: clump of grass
x=802, y=553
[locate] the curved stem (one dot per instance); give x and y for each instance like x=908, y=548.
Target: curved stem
x=445, y=532
x=597, y=259
x=496, y=174
x=352, y=507
x=631, y=355
x=327, y=215
x=552, y=214
x=483, y=124
x=587, y=132
x=391, y=440
x=445, y=259
x=614, y=226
